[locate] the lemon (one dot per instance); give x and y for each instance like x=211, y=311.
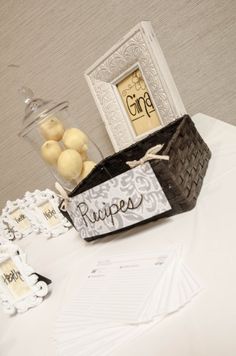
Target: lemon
x=76, y=139
x=50, y=151
x=52, y=128
x=70, y=164
x=87, y=168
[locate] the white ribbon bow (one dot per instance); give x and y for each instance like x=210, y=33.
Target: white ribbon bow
x=63, y=194
x=149, y=155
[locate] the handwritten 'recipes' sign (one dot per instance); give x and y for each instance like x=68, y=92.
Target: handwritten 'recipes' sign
x=122, y=201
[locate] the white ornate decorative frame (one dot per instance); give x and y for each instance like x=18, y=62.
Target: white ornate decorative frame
x=37, y=289
x=138, y=49
x=32, y=203
x=10, y=227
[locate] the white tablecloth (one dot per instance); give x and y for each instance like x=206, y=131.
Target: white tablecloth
x=204, y=327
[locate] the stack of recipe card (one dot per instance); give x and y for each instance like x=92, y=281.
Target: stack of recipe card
x=121, y=297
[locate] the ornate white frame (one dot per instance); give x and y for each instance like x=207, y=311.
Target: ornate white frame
x=11, y=229
x=138, y=49
x=38, y=289
x=32, y=203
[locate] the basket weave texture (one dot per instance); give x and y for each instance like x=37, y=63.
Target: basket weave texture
x=181, y=177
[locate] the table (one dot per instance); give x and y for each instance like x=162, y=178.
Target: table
x=204, y=327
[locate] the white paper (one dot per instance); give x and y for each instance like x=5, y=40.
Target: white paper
x=122, y=297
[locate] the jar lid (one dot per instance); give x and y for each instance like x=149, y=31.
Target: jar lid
x=37, y=109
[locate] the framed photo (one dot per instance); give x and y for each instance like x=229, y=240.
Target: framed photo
x=37, y=212
x=133, y=88
x=44, y=214
x=19, y=285
x=16, y=223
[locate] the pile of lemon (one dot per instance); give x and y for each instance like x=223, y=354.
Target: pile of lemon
x=65, y=150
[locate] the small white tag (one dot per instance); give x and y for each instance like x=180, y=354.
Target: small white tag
x=125, y=200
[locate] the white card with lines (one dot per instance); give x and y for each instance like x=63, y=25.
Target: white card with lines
x=121, y=297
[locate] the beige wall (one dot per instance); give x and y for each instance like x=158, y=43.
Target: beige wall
x=47, y=45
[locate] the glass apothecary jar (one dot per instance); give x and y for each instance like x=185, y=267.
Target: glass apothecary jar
x=68, y=151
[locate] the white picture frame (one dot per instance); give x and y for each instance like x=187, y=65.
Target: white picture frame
x=139, y=49
x=16, y=224
x=42, y=209
x=20, y=288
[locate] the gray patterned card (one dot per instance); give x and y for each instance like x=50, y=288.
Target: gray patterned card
x=125, y=200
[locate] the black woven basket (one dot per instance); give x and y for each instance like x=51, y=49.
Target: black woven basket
x=181, y=177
